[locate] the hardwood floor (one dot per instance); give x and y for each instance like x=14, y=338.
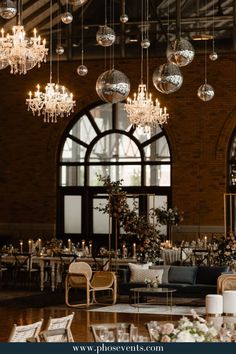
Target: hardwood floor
x=81, y=323
x=22, y=313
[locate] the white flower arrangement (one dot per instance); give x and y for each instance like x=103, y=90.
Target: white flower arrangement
x=153, y=283
x=197, y=330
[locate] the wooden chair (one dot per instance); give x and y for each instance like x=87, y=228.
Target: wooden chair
x=62, y=323
x=226, y=282
x=22, y=333
x=81, y=276
x=60, y=335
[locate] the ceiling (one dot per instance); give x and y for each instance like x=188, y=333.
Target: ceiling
x=166, y=19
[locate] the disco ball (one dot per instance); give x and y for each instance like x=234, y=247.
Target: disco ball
x=7, y=9
x=82, y=70
x=213, y=56
x=180, y=51
x=124, y=18
x=66, y=18
x=105, y=36
x=167, y=78
x=145, y=43
x=205, y=92
x=77, y=2
x=59, y=50
x=113, y=86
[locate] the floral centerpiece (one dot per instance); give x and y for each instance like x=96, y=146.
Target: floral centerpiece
x=186, y=330
x=152, y=283
x=137, y=227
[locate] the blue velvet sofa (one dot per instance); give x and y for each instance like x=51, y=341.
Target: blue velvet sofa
x=189, y=281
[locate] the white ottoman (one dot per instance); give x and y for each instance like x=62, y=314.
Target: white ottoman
x=229, y=302
x=214, y=305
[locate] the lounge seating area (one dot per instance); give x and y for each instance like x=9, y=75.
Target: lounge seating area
x=189, y=281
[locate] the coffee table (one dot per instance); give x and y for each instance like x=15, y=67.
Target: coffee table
x=150, y=292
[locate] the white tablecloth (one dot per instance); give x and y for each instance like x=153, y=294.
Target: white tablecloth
x=170, y=256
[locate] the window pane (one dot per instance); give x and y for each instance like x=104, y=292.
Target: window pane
x=142, y=137
x=158, y=175
x=158, y=150
x=131, y=174
x=122, y=121
x=100, y=220
x=72, y=151
x=103, y=116
x=83, y=130
x=72, y=214
x=72, y=176
x=115, y=147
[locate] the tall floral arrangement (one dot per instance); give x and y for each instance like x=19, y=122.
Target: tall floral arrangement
x=137, y=227
x=171, y=216
x=226, y=251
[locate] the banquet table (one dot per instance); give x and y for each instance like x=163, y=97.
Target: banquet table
x=56, y=263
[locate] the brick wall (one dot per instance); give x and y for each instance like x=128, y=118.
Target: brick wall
x=198, y=133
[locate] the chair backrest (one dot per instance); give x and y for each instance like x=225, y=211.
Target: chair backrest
x=78, y=268
x=60, y=323
x=22, y=333
x=60, y=335
x=226, y=282
x=103, y=279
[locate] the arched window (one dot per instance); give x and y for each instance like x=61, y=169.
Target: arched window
x=102, y=142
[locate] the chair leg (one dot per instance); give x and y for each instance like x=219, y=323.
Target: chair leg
x=67, y=289
x=113, y=296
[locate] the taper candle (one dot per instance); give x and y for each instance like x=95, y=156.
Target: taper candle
x=69, y=245
x=134, y=250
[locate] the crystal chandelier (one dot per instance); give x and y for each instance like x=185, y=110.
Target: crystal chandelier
x=56, y=101
x=142, y=111
x=22, y=53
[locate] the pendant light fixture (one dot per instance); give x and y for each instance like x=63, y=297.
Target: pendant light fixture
x=123, y=17
x=59, y=48
x=142, y=111
x=205, y=91
x=112, y=85
x=22, y=53
x=56, y=101
x=213, y=55
x=167, y=78
x=82, y=69
x=7, y=9
x=67, y=16
x=105, y=35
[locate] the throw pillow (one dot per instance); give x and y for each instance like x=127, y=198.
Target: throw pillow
x=165, y=273
x=140, y=275
x=139, y=266
x=182, y=274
